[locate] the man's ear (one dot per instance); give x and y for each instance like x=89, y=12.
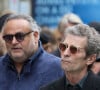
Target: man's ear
x=36, y=34
x=36, y=37
x=91, y=59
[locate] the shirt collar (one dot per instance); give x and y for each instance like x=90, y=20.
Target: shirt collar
x=37, y=53
x=81, y=82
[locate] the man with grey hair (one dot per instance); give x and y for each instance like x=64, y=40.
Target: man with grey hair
x=79, y=48
x=68, y=20
x=26, y=66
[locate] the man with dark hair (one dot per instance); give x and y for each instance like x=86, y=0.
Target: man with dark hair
x=95, y=25
x=2, y=44
x=96, y=67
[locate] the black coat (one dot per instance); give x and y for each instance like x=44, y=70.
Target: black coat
x=91, y=83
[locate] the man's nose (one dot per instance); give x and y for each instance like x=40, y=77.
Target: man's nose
x=67, y=52
x=14, y=40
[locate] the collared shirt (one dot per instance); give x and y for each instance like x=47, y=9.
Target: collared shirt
x=39, y=70
x=78, y=86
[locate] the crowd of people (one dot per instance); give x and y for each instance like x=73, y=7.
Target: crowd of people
x=33, y=57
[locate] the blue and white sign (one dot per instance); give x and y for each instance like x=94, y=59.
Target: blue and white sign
x=49, y=12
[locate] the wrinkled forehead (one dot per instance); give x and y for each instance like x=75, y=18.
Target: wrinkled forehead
x=15, y=21
x=15, y=25
x=75, y=40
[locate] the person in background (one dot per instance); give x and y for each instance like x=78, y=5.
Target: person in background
x=26, y=66
x=66, y=21
x=95, y=25
x=96, y=65
x=79, y=48
x=48, y=40
x=3, y=18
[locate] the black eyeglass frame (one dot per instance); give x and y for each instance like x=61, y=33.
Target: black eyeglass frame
x=19, y=36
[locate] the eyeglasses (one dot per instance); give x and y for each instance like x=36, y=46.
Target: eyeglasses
x=19, y=37
x=73, y=49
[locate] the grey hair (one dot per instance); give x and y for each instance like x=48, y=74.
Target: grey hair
x=83, y=30
x=32, y=22
x=69, y=18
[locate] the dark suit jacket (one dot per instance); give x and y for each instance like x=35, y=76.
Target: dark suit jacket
x=91, y=83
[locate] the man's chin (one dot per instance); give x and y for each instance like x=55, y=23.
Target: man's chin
x=18, y=59
x=17, y=56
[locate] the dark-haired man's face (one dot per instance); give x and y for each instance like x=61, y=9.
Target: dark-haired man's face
x=96, y=68
x=2, y=46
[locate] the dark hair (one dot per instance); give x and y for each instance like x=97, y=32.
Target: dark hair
x=95, y=25
x=44, y=38
x=3, y=19
x=98, y=60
